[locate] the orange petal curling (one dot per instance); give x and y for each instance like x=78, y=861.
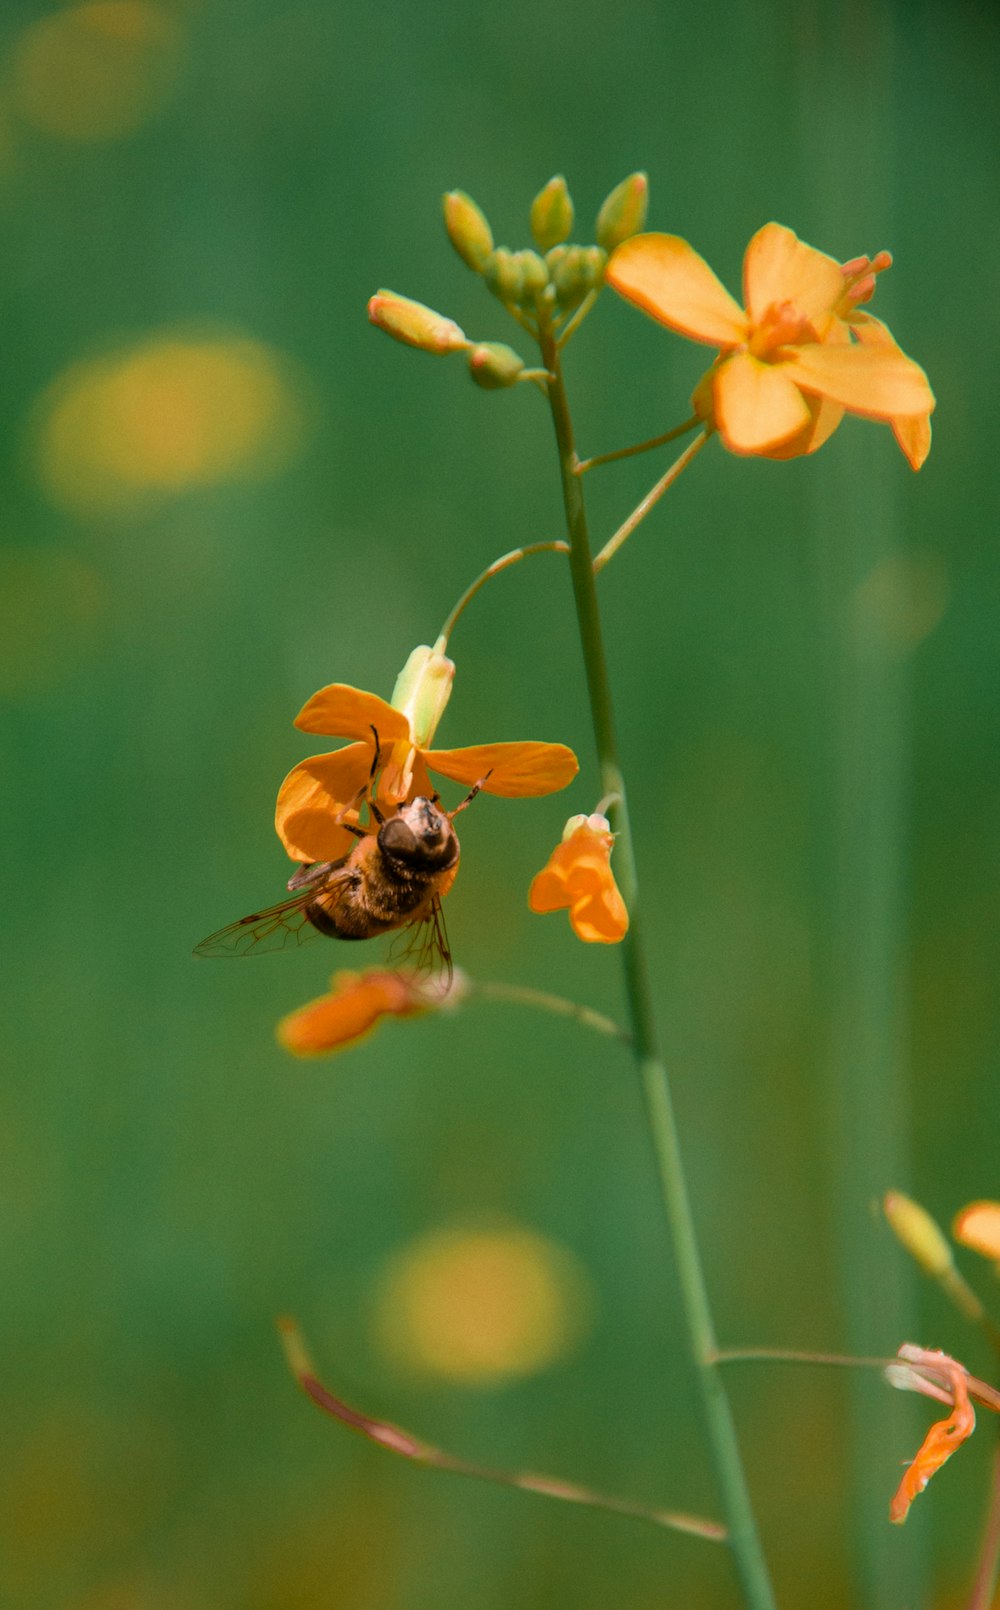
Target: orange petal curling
x=517, y=770
x=978, y=1227
x=578, y=878
x=944, y=1436
x=355, y=1005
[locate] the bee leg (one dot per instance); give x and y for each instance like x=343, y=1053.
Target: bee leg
x=470, y=796
x=376, y=761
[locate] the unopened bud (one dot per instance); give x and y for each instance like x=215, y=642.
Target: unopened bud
x=423, y=688
x=552, y=214
x=534, y=275
x=577, y=273
x=468, y=229
x=417, y=325
x=623, y=212
x=493, y=365
x=502, y=273
x=914, y=1228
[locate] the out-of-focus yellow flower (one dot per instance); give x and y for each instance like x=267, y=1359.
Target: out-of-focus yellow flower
x=578, y=878
x=173, y=412
x=315, y=795
x=357, y=1003
x=96, y=71
x=801, y=353
x=978, y=1226
x=944, y=1436
x=480, y=1307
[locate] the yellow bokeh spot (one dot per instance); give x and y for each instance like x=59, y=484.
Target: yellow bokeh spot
x=165, y=416
x=53, y=610
x=96, y=71
x=481, y=1307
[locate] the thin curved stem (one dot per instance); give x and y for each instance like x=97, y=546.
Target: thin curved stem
x=541, y=1000
x=503, y=563
x=575, y=320
x=586, y=464
x=744, y=1542
x=652, y=497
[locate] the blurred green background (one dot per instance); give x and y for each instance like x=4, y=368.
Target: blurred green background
x=223, y=489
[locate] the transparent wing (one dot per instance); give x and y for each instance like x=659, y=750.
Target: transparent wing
x=423, y=947
x=284, y=926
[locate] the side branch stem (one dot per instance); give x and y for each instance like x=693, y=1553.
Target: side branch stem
x=741, y=1525
x=586, y=464
x=652, y=497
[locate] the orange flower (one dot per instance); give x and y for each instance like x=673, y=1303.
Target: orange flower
x=578, y=876
x=799, y=355
x=978, y=1227
x=357, y=1002
x=944, y=1436
x=317, y=795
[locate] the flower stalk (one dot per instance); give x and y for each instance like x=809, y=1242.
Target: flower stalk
x=741, y=1525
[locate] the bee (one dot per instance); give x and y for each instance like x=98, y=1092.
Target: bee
x=395, y=877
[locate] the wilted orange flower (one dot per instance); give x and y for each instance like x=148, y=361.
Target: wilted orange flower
x=944, y=1436
x=578, y=877
x=978, y=1227
x=316, y=795
x=799, y=355
x=356, y=1003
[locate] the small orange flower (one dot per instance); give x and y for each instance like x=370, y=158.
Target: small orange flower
x=578, y=877
x=978, y=1227
x=944, y=1436
x=357, y=1002
x=799, y=355
x=316, y=796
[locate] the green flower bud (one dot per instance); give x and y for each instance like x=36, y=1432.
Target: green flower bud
x=919, y=1233
x=577, y=273
x=468, y=229
x=493, y=365
x=423, y=688
x=417, y=325
x=552, y=213
x=503, y=274
x=623, y=212
x=534, y=276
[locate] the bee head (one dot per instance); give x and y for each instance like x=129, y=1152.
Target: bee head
x=420, y=835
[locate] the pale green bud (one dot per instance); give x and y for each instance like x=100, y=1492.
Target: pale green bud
x=623, y=212
x=417, y=325
x=503, y=274
x=552, y=214
x=423, y=688
x=922, y=1237
x=468, y=229
x=493, y=365
x=577, y=273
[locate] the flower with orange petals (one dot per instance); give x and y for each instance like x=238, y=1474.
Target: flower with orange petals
x=357, y=1003
x=578, y=877
x=946, y=1380
x=318, y=795
x=978, y=1227
x=798, y=356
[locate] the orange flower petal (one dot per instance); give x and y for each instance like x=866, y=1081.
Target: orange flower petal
x=578, y=878
x=939, y=1444
x=978, y=1227
x=518, y=770
x=349, y=1012
x=825, y=416
x=756, y=404
x=913, y=434
x=340, y=711
x=874, y=381
x=665, y=277
x=313, y=795
x=778, y=267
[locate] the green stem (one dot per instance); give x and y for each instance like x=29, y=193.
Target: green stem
x=652, y=497
x=503, y=563
x=586, y=464
x=743, y=1537
x=523, y=995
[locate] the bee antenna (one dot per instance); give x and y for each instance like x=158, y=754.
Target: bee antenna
x=470, y=796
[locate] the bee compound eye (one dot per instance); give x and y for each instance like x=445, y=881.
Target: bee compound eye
x=396, y=837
